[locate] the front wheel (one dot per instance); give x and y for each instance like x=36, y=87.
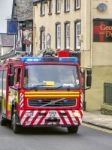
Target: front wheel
x=15, y=127
x=73, y=129
x=3, y=121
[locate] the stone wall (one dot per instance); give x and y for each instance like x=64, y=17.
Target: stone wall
x=106, y=109
x=95, y=95
x=23, y=10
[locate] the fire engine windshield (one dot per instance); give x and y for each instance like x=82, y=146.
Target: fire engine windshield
x=51, y=76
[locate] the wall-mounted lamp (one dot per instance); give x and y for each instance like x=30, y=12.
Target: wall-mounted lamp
x=102, y=7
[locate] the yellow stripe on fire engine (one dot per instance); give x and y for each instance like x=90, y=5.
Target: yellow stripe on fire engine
x=52, y=94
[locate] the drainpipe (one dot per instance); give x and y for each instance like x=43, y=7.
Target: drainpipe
x=91, y=33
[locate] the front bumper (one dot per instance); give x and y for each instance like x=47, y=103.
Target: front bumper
x=50, y=117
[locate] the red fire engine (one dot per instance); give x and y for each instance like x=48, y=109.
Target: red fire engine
x=41, y=91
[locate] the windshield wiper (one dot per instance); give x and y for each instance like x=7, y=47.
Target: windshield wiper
x=35, y=86
x=53, y=102
x=55, y=87
x=44, y=85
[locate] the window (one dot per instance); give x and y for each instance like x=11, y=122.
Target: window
x=39, y=75
x=67, y=5
x=4, y=82
x=58, y=36
x=17, y=77
x=77, y=4
x=67, y=35
x=42, y=8
x=50, y=7
x=42, y=38
x=48, y=41
x=58, y=6
x=1, y=83
x=77, y=35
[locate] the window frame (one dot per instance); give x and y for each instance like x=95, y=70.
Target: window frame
x=67, y=7
x=42, y=8
x=50, y=7
x=17, y=76
x=67, y=38
x=77, y=36
x=58, y=36
x=77, y=7
x=58, y=6
x=48, y=41
x=42, y=43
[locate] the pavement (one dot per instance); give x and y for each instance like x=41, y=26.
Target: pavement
x=97, y=119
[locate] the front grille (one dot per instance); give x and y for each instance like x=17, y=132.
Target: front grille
x=52, y=102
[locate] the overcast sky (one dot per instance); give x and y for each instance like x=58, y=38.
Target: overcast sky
x=5, y=13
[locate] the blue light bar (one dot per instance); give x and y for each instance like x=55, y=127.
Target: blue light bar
x=68, y=59
x=31, y=59
x=49, y=59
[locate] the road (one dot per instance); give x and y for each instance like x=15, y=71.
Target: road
x=55, y=139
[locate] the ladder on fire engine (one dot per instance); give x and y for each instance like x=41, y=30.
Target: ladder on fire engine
x=12, y=53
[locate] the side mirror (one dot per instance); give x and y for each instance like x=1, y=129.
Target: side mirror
x=88, y=77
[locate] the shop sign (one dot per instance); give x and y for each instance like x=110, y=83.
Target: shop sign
x=102, y=30
x=11, y=26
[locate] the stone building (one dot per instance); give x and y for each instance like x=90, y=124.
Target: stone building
x=83, y=26
x=23, y=12
x=6, y=43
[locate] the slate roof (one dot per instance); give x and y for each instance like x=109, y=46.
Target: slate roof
x=7, y=40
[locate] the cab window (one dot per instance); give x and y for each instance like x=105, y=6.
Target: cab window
x=17, y=77
x=1, y=83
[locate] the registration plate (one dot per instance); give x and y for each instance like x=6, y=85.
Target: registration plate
x=52, y=114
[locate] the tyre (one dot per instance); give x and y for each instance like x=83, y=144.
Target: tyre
x=73, y=129
x=15, y=127
x=3, y=121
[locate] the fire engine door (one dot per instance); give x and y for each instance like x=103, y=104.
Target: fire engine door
x=4, y=93
x=13, y=91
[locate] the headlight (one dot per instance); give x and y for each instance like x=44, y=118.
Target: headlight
x=76, y=114
x=28, y=114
